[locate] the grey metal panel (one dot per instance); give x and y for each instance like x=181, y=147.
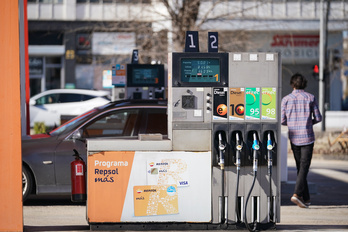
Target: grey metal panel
x=231, y=184
x=191, y=140
x=216, y=193
x=98, y=145
x=191, y=126
x=194, y=114
x=247, y=72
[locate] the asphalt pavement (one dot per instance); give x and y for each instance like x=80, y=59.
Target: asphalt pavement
x=328, y=212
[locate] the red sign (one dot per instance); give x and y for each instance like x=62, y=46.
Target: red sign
x=295, y=41
x=79, y=170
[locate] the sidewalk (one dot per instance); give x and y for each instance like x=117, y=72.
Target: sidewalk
x=328, y=212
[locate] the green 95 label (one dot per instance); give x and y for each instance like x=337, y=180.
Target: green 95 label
x=252, y=103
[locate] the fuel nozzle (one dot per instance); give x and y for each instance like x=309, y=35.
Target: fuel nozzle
x=222, y=147
x=239, y=148
x=270, y=147
x=255, y=148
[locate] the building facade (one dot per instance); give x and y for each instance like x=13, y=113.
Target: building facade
x=72, y=42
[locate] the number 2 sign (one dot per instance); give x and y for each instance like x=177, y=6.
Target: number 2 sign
x=213, y=41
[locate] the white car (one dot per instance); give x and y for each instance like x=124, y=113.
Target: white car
x=49, y=106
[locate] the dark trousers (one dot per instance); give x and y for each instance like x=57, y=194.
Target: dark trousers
x=303, y=158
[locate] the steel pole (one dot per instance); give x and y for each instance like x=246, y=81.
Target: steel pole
x=323, y=59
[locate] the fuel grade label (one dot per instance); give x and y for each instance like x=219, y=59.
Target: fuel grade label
x=237, y=104
x=269, y=97
x=252, y=103
x=220, y=104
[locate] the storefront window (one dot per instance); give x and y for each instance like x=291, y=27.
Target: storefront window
x=35, y=66
x=35, y=86
x=53, y=80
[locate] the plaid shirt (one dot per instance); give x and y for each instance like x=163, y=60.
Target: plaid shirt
x=300, y=112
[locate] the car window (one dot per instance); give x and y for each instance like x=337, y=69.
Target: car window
x=48, y=99
x=73, y=123
x=69, y=97
x=156, y=121
x=114, y=124
x=87, y=97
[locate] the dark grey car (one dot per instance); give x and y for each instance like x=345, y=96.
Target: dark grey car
x=47, y=157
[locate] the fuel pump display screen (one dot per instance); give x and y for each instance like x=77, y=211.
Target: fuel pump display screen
x=139, y=75
x=200, y=70
x=191, y=69
x=145, y=76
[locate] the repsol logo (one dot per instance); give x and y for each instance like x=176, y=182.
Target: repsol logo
x=161, y=163
x=149, y=190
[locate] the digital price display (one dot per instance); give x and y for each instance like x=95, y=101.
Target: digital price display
x=140, y=75
x=200, y=70
x=145, y=76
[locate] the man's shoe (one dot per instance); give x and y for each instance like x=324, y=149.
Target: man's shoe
x=298, y=201
x=308, y=203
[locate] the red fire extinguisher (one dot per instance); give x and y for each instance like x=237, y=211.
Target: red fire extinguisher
x=78, y=179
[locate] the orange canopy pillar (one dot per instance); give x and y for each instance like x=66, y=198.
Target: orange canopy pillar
x=11, y=209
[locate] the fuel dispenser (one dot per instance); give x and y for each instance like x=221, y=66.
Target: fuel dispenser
x=240, y=117
x=223, y=142
x=255, y=87
x=198, y=84
x=145, y=81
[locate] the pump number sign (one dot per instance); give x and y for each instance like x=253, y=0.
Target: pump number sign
x=252, y=103
x=269, y=103
x=200, y=70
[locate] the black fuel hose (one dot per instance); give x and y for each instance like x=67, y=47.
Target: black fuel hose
x=222, y=147
x=238, y=163
x=246, y=205
x=237, y=187
x=270, y=147
x=255, y=148
x=271, y=213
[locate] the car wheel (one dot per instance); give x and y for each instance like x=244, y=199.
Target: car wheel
x=27, y=181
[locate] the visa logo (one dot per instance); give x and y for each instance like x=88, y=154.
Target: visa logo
x=182, y=183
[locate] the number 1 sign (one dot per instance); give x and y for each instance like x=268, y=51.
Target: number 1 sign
x=192, y=41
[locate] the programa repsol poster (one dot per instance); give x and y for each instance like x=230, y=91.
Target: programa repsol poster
x=220, y=104
x=237, y=103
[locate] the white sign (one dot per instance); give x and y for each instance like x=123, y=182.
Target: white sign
x=107, y=79
x=119, y=75
x=299, y=48
x=167, y=171
x=111, y=43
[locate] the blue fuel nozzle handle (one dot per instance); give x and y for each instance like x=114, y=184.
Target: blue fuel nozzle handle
x=256, y=145
x=269, y=143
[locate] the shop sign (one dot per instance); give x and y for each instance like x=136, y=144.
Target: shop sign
x=300, y=48
x=296, y=46
x=111, y=43
x=35, y=65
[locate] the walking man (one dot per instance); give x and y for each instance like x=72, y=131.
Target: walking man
x=300, y=112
